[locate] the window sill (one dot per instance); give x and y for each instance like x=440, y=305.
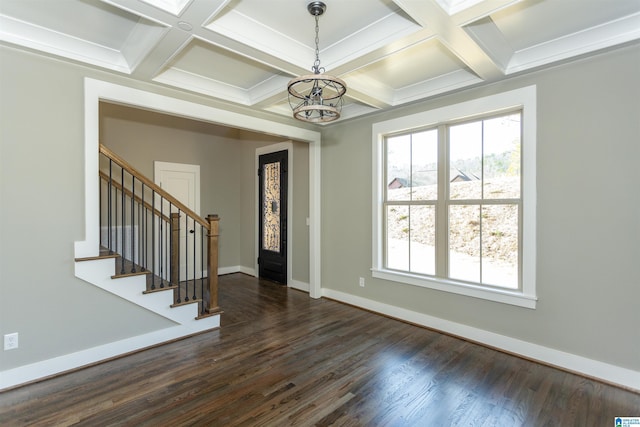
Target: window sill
x=504, y=296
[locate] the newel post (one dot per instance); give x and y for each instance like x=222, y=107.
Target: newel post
x=175, y=249
x=212, y=262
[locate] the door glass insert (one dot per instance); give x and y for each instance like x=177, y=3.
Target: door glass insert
x=271, y=207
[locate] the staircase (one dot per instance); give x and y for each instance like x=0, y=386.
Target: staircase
x=154, y=251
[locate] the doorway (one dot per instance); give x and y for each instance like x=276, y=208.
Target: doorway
x=273, y=217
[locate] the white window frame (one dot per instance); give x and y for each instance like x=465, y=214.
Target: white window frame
x=524, y=99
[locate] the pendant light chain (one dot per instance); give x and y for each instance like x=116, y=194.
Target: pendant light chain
x=316, y=65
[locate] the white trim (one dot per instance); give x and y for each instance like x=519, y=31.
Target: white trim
x=237, y=269
x=228, y=270
x=504, y=296
x=301, y=286
x=315, y=249
x=295, y=284
x=593, y=368
x=97, y=90
x=281, y=146
x=246, y=270
x=524, y=98
x=56, y=365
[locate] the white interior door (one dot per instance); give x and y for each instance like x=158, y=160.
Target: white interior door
x=182, y=181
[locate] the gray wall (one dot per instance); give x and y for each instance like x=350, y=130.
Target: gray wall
x=588, y=215
x=42, y=214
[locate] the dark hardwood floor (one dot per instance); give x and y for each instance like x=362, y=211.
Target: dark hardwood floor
x=281, y=358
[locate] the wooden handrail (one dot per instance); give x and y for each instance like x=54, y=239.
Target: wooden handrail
x=156, y=188
x=128, y=192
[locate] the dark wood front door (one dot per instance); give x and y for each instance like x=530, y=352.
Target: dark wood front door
x=272, y=252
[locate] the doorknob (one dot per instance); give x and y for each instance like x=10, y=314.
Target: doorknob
x=192, y=231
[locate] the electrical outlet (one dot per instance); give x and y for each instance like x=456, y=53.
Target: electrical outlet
x=362, y=282
x=11, y=341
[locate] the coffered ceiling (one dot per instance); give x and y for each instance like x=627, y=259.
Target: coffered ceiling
x=389, y=52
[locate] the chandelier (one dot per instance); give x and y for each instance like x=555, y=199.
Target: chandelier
x=316, y=97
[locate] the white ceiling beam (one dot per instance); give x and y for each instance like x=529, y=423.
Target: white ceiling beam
x=430, y=15
x=489, y=37
x=436, y=86
x=480, y=10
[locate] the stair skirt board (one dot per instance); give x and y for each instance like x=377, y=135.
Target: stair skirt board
x=58, y=365
x=99, y=272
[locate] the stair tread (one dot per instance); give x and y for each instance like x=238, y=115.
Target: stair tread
x=101, y=256
x=130, y=274
x=159, y=289
x=191, y=301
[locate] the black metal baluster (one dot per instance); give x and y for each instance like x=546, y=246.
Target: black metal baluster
x=165, y=248
x=153, y=240
x=109, y=228
x=161, y=241
x=202, y=229
x=173, y=248
x=186, y=257
x=194, y=258
x=115, y=228
x=123, y=220
x=140, y=210
x=133, y=224
x=143, y=234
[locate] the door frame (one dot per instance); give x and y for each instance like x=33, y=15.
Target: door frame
x=281, y=146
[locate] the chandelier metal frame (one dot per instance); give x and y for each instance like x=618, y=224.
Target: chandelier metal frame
x=316, y=97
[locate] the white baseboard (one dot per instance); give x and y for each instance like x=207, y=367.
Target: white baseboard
x=228, y=270
x=302, y=286
x=236, y=269
x=39, y=370
x=248, y=270
x=592, y=368
x=295, y=284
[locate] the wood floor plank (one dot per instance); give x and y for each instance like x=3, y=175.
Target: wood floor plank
x=283, y=359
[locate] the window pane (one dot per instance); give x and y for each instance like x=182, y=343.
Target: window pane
x=423, y=239
x=464, y=243
x=465, y=161
x=501, y=164
x=399, y=167
x=397, y=249
x=424, y=170
x=500, y=245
